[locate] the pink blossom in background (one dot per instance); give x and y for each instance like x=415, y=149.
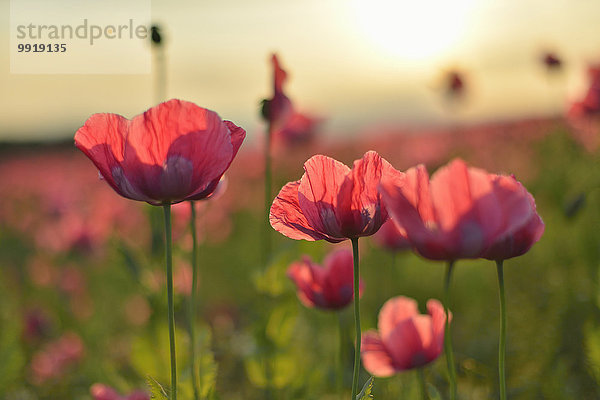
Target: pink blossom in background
x=56, y=358
x=328, y=287
x=36, y=325
x=298, y=129
x=100, y=391
x=584, y=114
x=331, y=201
x=459, y=213
x=173, y=152
x=405, y=339
x=58, y=214
x=391, y=238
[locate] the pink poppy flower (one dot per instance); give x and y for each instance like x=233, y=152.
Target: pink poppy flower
x=100, y=391
x=173, y=152
x=391, y=238
x=331, y=201
x=518, y=242
x=329, y=287
x=406, y=339
x=460, y=213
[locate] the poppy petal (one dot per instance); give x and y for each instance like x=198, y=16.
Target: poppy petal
x=286, y=216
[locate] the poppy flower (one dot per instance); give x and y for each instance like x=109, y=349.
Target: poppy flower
x=298, y=129
x=392, y=238
x=329, y=287
x=100, y=391
x=518, y=242
x=551, y=61
x=405, y=339
x=278, y=109
x=460, y=213
x=331, y=201
x=173, y=152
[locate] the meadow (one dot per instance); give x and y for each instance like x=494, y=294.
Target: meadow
x=83, y=298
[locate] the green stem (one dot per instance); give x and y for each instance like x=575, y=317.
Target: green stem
x=502, y=346
x=171, y=312
x=422, y=384
x=266, y=244
x=356, y=319
x=193, y=299
x=447, y=335
x=268, y=199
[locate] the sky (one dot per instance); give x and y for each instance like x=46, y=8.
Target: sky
x=356, y=63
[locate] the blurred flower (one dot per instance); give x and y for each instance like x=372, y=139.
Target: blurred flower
x=391, y=238
x=406, y=339
x=36, y=325
x=332, y=201
x=298, y=129
x=52, y=361
x=100, y=391
x=551, y=61
x=455, y=84
x=173, y=152
x=278, y=109
x=329, y=287
x=137, y=310
x=460, y=213
x=182, y=279
x=590, y=104
x=584, y=115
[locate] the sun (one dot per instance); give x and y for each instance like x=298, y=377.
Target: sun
x=413, y=30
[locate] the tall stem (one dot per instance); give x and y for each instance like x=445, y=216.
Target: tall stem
x=447, y=335
x=356, y=318
x=268, y=199
x=171, y=312
x=193, y=299
x=266, y=243
x=502, y=345
x=422, y=384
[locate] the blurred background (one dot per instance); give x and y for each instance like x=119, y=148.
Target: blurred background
x=355, y=62
x=512, y=87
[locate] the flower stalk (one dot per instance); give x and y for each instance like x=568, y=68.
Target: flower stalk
x=193, y=300
x=356, y=318
x=171, y=312
x=502, y=344
x=447, y=335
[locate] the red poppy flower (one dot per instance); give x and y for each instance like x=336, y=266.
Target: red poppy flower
x=517, y=242
x=460, y=213
x=173, y=152
x=329, y=287
x=406, y=339
x=332, y=201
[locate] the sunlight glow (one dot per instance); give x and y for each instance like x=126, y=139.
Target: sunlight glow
x=414, y=30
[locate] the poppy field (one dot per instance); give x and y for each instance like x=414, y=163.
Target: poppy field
x=165, y=255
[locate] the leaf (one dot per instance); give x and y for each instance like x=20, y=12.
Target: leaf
x=365, y=393
x=156, y=390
